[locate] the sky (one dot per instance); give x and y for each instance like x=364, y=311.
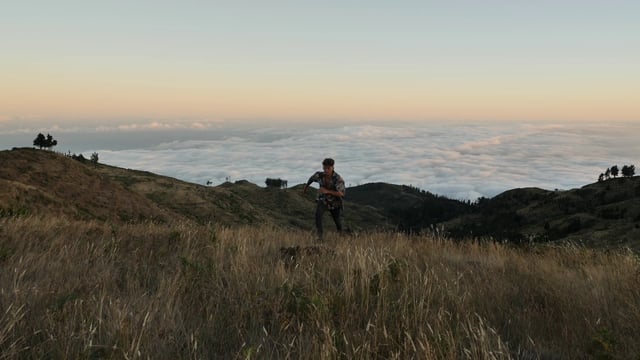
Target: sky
x=101, y=64
x=461, y=98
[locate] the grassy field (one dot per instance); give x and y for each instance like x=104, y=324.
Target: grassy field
x=71, y=289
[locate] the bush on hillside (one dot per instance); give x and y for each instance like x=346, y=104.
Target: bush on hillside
x=276, y=183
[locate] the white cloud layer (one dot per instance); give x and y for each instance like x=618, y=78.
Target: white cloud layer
x=12, y=126
x=462, y=161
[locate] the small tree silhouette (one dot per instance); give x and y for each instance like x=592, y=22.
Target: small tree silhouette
x=80, y=157
x=614, y=171
x=50, y=141
x=94, y=158
x=276, y=183
x=39, y=141
x=607, y=174
x=628, y=170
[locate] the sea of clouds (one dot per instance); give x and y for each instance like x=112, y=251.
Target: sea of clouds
x=458, y=160
x=461, y=161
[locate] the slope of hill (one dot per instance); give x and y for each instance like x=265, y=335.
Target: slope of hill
x=36, y=181
x=408, y=208
x=236, y=203
x=43, y=182
x=606, y=214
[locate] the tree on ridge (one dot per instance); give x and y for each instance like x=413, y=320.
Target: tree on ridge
x=614, y=171
x=629, y=170
x=44, y=142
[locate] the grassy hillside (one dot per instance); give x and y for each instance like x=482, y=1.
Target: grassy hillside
x=602, y=214
x=408, y=208
x=88, y=289
x=43, y=182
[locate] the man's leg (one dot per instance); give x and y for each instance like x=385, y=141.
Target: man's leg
x=336, y=214
x=319, y=213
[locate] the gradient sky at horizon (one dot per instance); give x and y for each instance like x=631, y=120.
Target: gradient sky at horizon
x=98, y=62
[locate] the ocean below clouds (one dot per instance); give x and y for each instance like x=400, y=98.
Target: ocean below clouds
x=458, y=160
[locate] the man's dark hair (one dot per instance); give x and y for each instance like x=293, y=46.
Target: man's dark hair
x=328, y=162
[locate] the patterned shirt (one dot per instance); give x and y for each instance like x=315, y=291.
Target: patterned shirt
x=336, y=183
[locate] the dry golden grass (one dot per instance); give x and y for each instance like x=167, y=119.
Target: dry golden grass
x=93, y=290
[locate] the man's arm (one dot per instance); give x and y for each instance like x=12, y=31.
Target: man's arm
x=314, y=178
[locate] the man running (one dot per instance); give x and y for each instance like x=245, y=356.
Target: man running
x=330, y=195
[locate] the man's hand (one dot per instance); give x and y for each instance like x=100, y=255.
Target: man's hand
x=323, y=190
x=331, y=192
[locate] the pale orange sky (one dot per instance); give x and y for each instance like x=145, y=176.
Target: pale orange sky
x=420, y=61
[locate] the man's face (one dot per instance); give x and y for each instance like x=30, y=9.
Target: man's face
x=327, y=169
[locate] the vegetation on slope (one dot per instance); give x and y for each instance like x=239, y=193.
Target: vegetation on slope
x=605, y=214
x=43, y=182
x=84, y=289
x=408, y=208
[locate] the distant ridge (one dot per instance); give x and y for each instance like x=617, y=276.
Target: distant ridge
x=602, y=214
x=45, y=183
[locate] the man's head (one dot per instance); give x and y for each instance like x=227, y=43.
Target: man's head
x=327, y=165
